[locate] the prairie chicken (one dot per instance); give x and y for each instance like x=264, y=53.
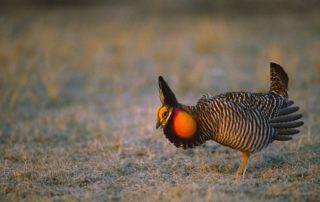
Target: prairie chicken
x=245, y=121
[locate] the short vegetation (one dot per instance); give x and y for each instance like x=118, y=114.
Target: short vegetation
x=78, y=94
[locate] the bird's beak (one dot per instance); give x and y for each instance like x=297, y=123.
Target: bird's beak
x=158, y=124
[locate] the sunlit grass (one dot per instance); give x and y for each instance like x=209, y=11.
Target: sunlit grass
x=78, y=97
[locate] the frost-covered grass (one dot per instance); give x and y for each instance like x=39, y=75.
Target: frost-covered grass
x=78, y=94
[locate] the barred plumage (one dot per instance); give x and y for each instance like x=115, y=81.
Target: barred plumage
x=244, y=121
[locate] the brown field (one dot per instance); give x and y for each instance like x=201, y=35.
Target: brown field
x=78, y=94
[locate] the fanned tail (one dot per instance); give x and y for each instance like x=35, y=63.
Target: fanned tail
x=286, y=122
x=278, y=80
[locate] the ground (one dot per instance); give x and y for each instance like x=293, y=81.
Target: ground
x=78, y=96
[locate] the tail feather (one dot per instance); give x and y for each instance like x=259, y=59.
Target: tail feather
x=278, y=80
x=288, y=110
x=289, y=103
x=288, y=131
x=282, y=138
x=286, y=122
x=285, y=118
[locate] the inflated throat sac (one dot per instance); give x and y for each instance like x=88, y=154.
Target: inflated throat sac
x=184, y=126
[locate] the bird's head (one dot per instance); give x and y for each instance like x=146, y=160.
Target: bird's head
x=178, y=125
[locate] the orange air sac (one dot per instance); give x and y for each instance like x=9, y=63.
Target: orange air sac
x=184, y=126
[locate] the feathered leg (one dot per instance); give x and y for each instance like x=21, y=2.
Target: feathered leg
x=244, y=165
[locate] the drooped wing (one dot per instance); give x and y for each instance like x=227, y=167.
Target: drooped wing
x=248, y=129
x=242, y=128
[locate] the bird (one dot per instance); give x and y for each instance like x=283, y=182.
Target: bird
x=244, y=121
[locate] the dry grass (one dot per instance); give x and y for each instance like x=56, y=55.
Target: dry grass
x=78, y=93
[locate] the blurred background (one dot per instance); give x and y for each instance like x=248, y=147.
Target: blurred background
x=59, y=52
x=78, y=80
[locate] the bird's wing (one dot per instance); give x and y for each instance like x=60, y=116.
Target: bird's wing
x=248, y=129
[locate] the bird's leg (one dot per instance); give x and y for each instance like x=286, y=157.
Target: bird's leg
x=244, y=165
